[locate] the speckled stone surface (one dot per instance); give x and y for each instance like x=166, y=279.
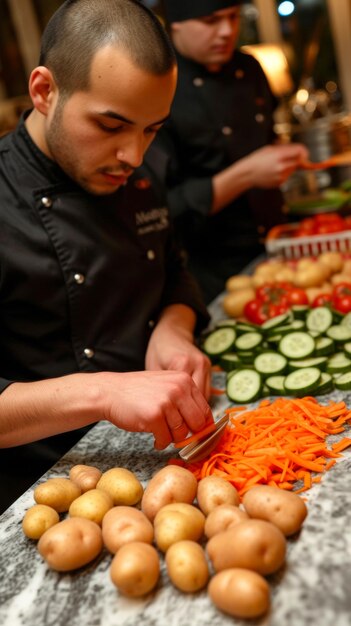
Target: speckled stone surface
x=314, y=589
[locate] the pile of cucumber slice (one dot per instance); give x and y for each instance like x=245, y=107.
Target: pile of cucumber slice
x=303, y=352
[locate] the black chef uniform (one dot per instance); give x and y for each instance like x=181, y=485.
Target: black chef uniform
x=83, y=279
x=216, y=119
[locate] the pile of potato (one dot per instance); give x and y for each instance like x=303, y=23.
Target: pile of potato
x=207, y=536
x=315, y=275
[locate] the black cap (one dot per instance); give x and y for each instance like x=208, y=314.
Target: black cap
x=180, y=10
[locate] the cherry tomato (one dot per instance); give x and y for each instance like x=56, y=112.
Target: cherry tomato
x=342, y=289
x=324, y=299
x=342, y=303
x=296, y=295
x=250, y=310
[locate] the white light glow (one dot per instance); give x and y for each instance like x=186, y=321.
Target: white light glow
x=286, y=8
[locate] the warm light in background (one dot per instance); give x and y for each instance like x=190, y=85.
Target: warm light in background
x=274, y=64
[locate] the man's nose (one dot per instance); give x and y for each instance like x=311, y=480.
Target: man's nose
x=226, y=27
x=131, y=154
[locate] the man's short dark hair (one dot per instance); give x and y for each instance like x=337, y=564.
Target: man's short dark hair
x=79, y=28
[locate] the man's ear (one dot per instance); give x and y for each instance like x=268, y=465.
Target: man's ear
x=42, y=89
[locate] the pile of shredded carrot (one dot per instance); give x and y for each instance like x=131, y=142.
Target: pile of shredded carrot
x=279, y=443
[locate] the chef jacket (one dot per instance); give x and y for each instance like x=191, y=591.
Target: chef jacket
x=216, y=119
x=83, y=278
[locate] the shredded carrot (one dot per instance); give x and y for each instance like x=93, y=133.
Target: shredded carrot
x=196, y=436
x=281, y=443
x=217, y=392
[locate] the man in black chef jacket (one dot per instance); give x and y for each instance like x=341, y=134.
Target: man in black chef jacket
x=97, y=313
x=222, y=176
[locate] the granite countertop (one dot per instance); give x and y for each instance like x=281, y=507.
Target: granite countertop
x=311, y=590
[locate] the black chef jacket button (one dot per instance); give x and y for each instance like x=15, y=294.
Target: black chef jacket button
x=79, y=278
x=198, y=82
x=226, y=130
x=259, y=118
x=151, y=323
x=47, y=202
x=89, y=353
x=151, y=255
x=239, y=74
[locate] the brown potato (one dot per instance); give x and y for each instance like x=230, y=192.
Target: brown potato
x=85, y=476
x=58, y=493
x=38, y=519
x=124, y=524
x=187, y=566
x=239, y=281
x=213, y=491
x=222, y=518
x=176, y=522
x=333, y=260
x=122, y=485
x=253, y=544
x=170, y=484
x=92, y=504
x=234, y=301
x=70, y=544
x=240, y=593
x=135, y=569
x=283, y=508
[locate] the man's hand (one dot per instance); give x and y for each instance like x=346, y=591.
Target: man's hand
x=272, y=165
x=171, y=347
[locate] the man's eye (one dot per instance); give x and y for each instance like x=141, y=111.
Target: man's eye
x=110, y=129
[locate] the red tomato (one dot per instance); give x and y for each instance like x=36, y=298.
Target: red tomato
x=250, y=310
x=324, y=299
x=342, y=303
x=342, y=289
x=297, y=296
x=258, y=312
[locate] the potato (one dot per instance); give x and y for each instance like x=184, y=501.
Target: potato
x=241, y=281
x=135, y=569
x=122, y=485
x=70, y=544
x=253, y=544
x=170, y=484
x=176, y=522
x=240, y=593
x=124, y=524
x=85, y=476
x=58, y=493
x=187, y=566
x=92, y=504
x=312, y=276
x=340, y=278
x=223, y=517
x=38, y=519
x=269, y=269
x=333, y=260
x=346, y=269
x=213, y=491
x=234, y=302
x=283, y=508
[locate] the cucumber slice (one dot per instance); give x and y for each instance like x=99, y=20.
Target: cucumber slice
x=297, y=345
x=276, y=384
x=343, y=382
x=347, y=348
x=274, y=339
x=244, y=386
x=247, y=356
x=314, y=333
x=300, y=311
x=302, y=382
x=229, y=361
x=226, y=323
x=270, y=363
x=246, y=327
x=278, y=320
x=319, y=319
x=318, y=361
x=346, y=320
x=219, y=341
x=326, y=385
x=338, y=364
x=339, y=333
x=288, y=328
x=324, y=346
x=248, y=341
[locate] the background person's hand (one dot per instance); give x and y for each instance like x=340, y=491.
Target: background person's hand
x=272, y=165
